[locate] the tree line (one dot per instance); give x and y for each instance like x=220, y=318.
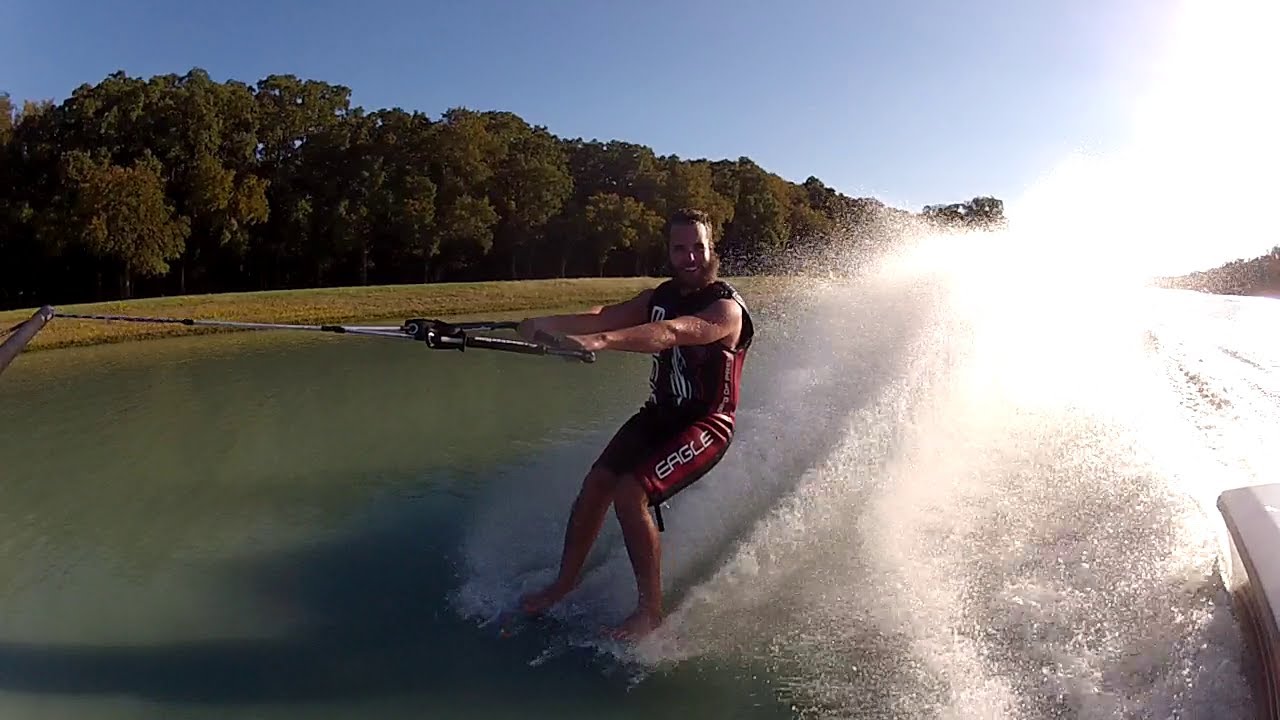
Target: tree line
x=179, y=184
x=1256, y=276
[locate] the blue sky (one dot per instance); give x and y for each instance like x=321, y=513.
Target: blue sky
x=914, y=102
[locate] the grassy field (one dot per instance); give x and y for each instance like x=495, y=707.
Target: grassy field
x=343, y=305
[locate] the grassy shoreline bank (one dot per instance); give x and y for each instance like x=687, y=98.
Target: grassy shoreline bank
x=344, y=305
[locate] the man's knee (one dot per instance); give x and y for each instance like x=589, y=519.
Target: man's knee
x=629, y=492
x=599, y=483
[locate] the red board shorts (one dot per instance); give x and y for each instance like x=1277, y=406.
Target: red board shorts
x=667, y=449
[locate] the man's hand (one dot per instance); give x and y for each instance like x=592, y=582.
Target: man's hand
x=539, y=330
x=590, y=343
x=529, y=327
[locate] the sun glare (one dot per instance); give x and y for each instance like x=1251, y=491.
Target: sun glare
x=1194, y=186
x=1061, y=292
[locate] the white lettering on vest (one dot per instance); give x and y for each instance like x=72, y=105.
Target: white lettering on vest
x=726, y=387
x=656, y=314
x=684, y=454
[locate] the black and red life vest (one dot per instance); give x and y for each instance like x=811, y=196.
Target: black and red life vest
x=699, y=379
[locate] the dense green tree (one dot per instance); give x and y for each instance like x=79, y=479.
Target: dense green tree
x=122, y=217
x=529, y=186
x=618, y=222
x=7, y=112
x=759, y=225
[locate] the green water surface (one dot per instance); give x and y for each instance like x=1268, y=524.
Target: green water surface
x=271, y=526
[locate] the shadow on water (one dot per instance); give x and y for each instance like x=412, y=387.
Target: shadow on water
x=371, y=622
x=365, y=603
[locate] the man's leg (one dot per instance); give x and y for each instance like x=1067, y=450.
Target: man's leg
x=589, y=508
x=643, y=547
x=671, y=466
x=585, y=520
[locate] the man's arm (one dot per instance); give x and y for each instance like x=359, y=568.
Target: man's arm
x=598, y=319
x=718, y=321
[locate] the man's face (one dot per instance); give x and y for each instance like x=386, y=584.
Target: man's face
x=689, y=252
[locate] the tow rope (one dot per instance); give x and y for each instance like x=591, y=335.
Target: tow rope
x=435, y=334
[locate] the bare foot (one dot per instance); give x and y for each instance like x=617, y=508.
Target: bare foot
x=637, y=625
x=537, y=603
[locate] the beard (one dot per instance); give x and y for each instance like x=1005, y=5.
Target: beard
x=702, y=277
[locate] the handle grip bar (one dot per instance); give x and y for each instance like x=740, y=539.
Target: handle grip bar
x=439, y=335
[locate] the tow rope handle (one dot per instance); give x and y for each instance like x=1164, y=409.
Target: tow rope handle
x=440, y=335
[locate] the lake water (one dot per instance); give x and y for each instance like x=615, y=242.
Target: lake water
x=924, y=515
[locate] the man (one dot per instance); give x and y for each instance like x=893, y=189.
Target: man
x=698, y=330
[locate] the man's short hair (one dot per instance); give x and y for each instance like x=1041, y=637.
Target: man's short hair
x=690, y=216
